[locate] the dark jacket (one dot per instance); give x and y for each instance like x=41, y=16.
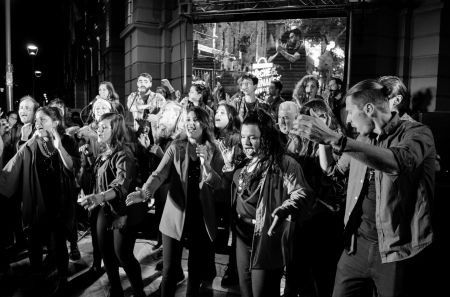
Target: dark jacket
x=285, y=186
x=175, y=163
x=117, y=172
x=20, y=175
x=403, y=200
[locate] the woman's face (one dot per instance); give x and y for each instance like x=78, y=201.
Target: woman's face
x=12, y=119
x=100, y=108
x=194, y=96
x=193, y=127
x=311, y=89
x=221, y=117
x=103, y=92
x=104, y=131
x=44, y=124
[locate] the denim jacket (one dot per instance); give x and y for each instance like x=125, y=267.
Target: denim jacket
x=403, y=200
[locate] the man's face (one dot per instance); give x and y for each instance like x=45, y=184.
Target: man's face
x=273, y=91
x=285, y=120
x=247, y=87
x=250, y=140
x=144, y=84
x=26, y=111
x=358, y=118
x=332, y=85
x=293, y=38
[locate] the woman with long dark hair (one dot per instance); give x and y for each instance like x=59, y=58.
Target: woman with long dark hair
x=114, y=170
x=227, y=131
x=189, y=212
x=267, y=187
x=42, y=170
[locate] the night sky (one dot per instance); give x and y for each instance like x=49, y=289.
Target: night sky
x=44, y=24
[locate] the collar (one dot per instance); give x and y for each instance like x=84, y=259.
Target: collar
x=391, y=125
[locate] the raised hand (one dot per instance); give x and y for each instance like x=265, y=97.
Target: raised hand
x=56, y=139
x=227, y=153
x=25, y=131
x=204, y=154
x=144, y=140
x=314, y=129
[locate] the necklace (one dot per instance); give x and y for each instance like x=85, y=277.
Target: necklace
x=46, y=149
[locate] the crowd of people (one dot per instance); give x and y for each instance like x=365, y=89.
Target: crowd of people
x=332, y=190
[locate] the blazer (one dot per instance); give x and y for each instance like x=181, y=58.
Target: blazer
x=175, y=164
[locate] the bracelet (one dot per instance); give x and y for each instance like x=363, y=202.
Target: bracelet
x=147, y=195
x=342, y=143
x=102, y=199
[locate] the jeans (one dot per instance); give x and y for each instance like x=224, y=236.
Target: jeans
x=255, y=282
x=362, y=273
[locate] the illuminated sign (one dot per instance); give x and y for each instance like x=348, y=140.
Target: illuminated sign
x=266, y=73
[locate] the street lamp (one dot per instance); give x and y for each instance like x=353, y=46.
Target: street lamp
x=32, y=52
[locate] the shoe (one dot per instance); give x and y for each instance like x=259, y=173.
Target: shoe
x=115, y=293
x=60, y=288
x=230, y=278
x=74, y=254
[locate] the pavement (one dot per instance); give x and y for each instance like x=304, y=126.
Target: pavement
x=19, y=282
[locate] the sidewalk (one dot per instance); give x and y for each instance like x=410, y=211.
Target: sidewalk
x=20, y=284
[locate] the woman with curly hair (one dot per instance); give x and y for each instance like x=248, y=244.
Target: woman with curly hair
x=305, y=90
x=114, y=170
x=192, y=165
x=267, y=187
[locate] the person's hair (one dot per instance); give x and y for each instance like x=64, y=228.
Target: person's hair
x=270, y=137
x=278, y=85
x=203, y=90
x=318, y=105
x=299, y=93
x=338, y=81
x=12, y=112
x=55, y=114
x=310, y=148
x=28, y=97
x=289, y=105
x=147, y=75
x=251, y=77
x=203, y=117
x=369, y=91
x=57, y=101
x=396, y=87
x=234, y=122
x=118, y=129
x=164, y=89
x=112, y=92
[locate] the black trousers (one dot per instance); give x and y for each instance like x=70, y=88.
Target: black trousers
x=116, y=247
x=361, y=273
x=201, y=249
x=255, y=282
x=315, y=248
x=93, y=216
x=55, y=239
